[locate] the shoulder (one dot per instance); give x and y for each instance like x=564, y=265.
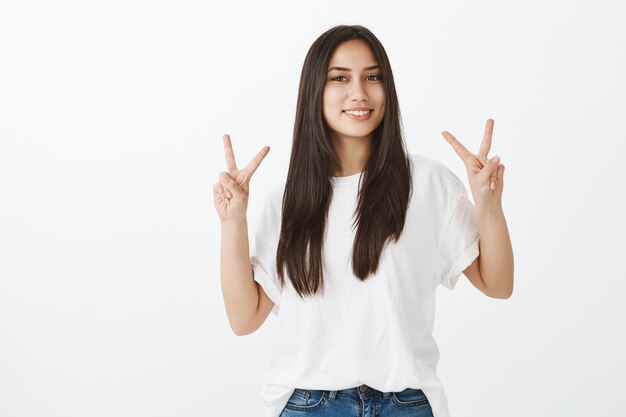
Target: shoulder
x=269, y=208
x=436, y=174
x=425, y=163
x=274, y=197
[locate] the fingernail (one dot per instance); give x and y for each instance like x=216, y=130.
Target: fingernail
x=495, y=159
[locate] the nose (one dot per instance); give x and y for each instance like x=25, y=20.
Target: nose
x=357, y=90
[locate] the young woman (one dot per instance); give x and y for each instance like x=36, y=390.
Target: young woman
x=351, y=247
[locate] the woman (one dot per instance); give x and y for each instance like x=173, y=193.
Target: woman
x=351, y=247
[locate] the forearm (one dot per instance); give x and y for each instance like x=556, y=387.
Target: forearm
x=496, y=252
x=238, y=286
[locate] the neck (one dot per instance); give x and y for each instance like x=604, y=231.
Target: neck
x=352, y=153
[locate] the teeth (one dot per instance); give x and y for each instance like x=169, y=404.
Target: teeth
x=358, y=112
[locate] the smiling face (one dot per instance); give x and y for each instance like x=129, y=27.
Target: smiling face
x=353, y=82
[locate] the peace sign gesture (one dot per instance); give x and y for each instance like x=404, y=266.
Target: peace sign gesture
x=231, y=192
x=486, y=176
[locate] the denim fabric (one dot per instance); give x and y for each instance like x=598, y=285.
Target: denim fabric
x=360, y=401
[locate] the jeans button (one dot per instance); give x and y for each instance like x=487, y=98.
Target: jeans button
x=363, y=388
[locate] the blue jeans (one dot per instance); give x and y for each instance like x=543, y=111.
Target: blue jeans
x=360, y=401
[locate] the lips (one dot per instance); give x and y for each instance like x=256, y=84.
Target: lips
x=355, y=117
x=359, y=109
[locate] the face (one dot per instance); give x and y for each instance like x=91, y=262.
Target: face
x=355, y=85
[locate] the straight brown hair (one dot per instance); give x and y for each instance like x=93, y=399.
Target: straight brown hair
x=385, y=184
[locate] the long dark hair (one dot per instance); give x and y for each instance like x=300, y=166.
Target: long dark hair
x=383, y=195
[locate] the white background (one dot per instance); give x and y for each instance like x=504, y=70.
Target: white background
x=111, y=123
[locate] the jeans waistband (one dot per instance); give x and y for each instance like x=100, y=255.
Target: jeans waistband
x=360, y=391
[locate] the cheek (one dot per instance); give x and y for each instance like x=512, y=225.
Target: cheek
x=382, y=113
x=379, y=94
x=380, y=99
x=332, y=96
x=331, y=102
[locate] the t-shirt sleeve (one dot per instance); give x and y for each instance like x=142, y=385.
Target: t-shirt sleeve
x=263, y=259
x=459, y=245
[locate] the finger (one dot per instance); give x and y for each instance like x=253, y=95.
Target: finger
x=486, y=143
x=231, y=165
x=229, y=185
x=501, y=175
x=256, y=161
x=218, y=190
x=494, y=178
x=458, y=146
x=489, y=169
x=483, y=160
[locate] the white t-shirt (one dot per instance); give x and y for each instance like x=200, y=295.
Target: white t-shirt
x=376, y=332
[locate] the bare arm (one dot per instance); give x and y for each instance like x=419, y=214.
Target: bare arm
x=492, y=271
x=240, y=292
x=496, y=252
x=239, y=289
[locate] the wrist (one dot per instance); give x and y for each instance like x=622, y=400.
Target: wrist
x=489, y=208
x=234, y=223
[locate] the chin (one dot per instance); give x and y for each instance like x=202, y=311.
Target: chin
x=357, y=135
x=359, y=132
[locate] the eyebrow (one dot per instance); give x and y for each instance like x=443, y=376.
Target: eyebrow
x=348, y=69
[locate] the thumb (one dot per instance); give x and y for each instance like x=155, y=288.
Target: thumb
x=490, y=168
x=229, y=184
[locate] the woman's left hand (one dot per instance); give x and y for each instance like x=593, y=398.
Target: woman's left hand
x=486, y=175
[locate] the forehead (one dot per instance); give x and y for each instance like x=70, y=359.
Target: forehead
x=353, y=54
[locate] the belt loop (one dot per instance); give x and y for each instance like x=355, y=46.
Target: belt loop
x=331, y=395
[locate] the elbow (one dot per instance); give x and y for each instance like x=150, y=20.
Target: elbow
x=502, y=294
x=509, y=294
x=243, y=323
x=501, y=287
x=242, y=331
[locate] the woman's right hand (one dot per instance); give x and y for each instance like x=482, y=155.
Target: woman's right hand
x=230, y=192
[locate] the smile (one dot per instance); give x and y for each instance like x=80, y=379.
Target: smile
x=359, y=115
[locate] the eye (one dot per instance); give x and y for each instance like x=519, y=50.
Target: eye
x=369, y=77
